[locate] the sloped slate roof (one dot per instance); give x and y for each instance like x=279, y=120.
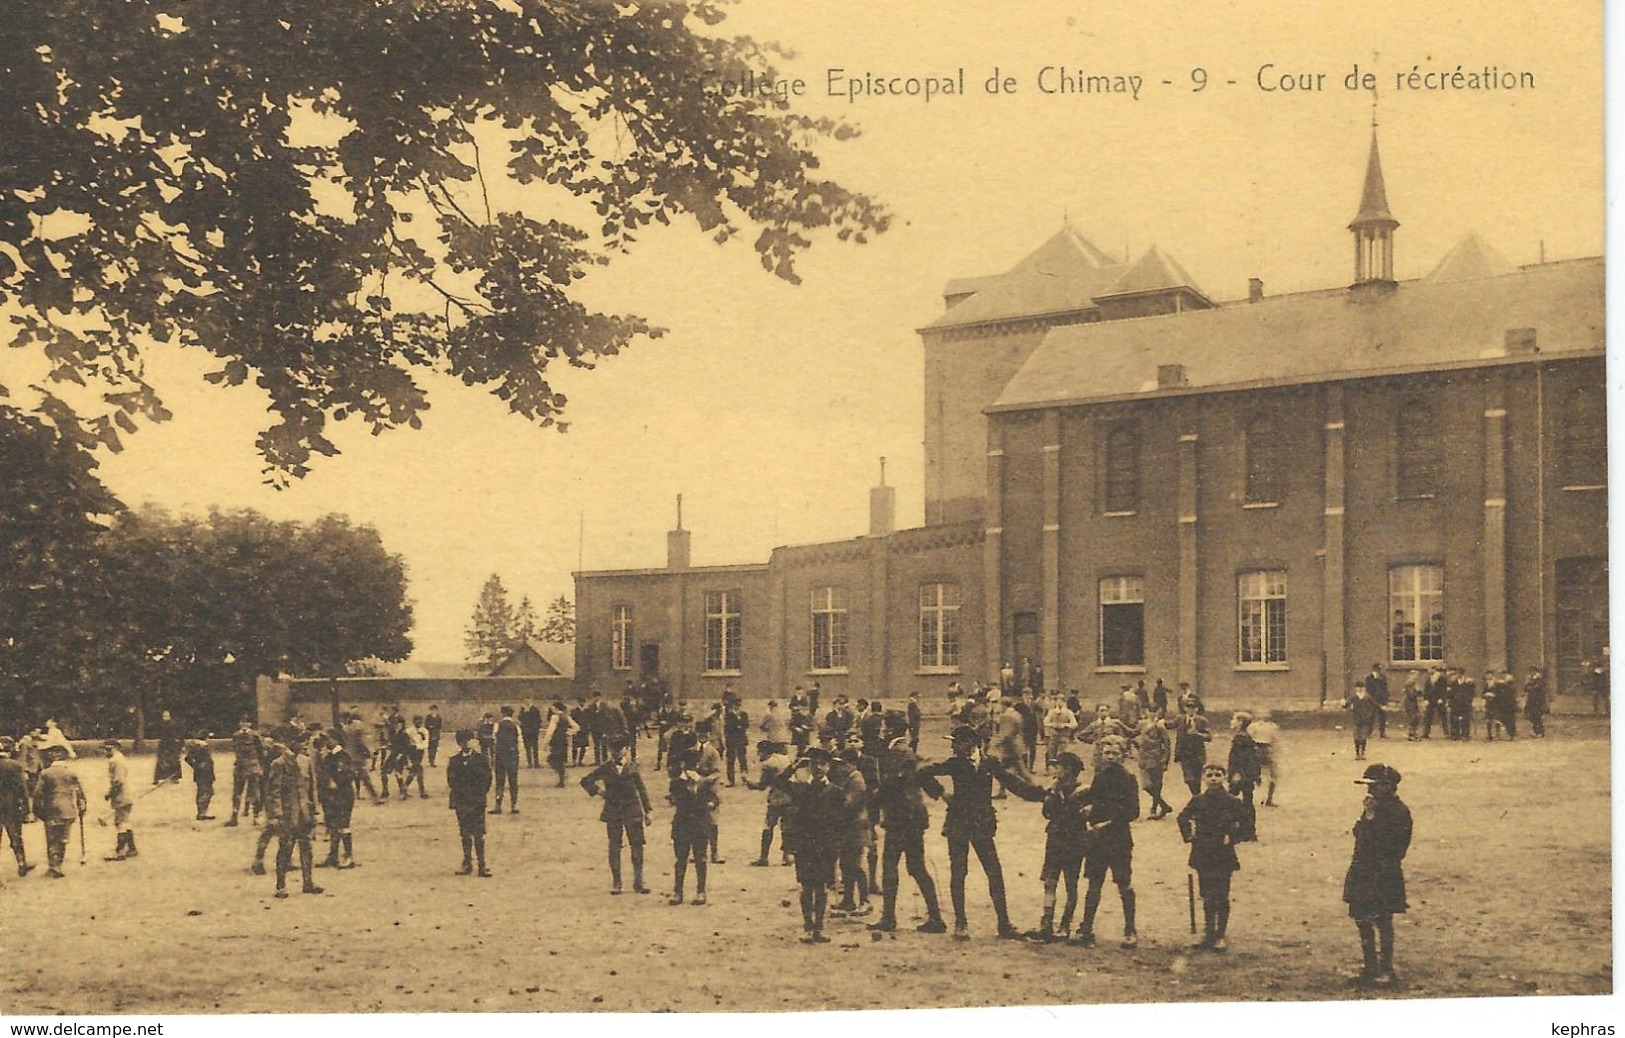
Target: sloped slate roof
x=1316, y=336
x=1065, y=273
x=1472, y=257
x=1152, y=272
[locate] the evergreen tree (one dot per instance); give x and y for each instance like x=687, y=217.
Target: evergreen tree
x=490, y=635
x=560, y=626
x=524, y=622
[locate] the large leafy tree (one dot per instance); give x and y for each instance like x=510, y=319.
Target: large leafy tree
x=333, y=197
x=196, y=609
x=53, y=512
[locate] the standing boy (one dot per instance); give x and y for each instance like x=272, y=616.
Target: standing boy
x=1113, y=802
x=1374, y=887
x=1065, y=837
x=626, y=810
x=468, y=779
x=1211, y=822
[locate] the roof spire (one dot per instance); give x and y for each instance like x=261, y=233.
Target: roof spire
x=1374, y=195
x=1373, y=226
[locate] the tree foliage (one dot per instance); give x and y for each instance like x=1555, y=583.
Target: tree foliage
x=50, y=501
x=560, y=626
x=184, y=613
x=525, y=624
x=333, y=197
x=489, y=638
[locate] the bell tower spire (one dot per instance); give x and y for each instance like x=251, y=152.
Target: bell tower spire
x=1373, y=226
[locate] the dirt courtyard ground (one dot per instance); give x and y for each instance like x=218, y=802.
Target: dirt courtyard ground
x=1509, y=878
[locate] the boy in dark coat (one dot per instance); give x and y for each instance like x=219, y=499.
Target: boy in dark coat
x=335, y=788
x=505, y=742
x=1191, y=736
x=59, y=800
x=1245, y=772
x=904, y=818
x=468, y=780
x=1535, y=703
x=1113, y=800
x=1363, y=712
x=971, y=822
x=819, y=818
x=693, y=819
x=1065, y=837
x=201, y=760
x=626, y=810
x=1212, y=822
x=1374, y=887
x=14, y=802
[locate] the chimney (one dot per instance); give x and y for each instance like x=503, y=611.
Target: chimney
x=1255, y=290
x=1521, y=341
x=882, y=506
x=677, y=542
x=1171, y=376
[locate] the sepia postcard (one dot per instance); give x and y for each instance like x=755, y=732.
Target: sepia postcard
x=1094, y=511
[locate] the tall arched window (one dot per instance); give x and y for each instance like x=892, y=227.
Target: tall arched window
x=1123, y=470
x=1265, y=460
x=1417, y=451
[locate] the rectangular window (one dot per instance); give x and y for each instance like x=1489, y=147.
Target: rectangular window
x=620, y=638
x=828, y=628
x=939, y=626
x=722, y=630
x=1416, y=603
x=1261, y=617
x=1122, y=472
x=1122, y=622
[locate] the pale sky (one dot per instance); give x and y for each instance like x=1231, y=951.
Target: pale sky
x=768, y=405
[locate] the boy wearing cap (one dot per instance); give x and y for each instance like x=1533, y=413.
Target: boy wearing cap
x=818, y=810
x=1113, y=800
x=1245, y=772
x=468, y=779
x=335, y=789
x=1535, y=704
x=1374, y=887
x=851, y=772
x=247, y=771
x=123, y=804
x=13, y=802
x=1191, y=736
x=1212, y=823
x=693, y=798
x=971, y=822
x=1363, y=712
x=58, y=801
x=1064, y=838
x=900, y=806
x=1154, y=751
x=290, y=813
x=201, y=760
x=626, y=810
x=773, y=762
x=561, y=729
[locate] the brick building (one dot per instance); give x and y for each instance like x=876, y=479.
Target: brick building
x=1126, y=478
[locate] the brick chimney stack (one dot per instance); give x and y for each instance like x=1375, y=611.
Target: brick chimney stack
x=677, y=542
x=882, y=506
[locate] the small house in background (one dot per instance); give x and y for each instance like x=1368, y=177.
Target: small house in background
x=526, y=661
